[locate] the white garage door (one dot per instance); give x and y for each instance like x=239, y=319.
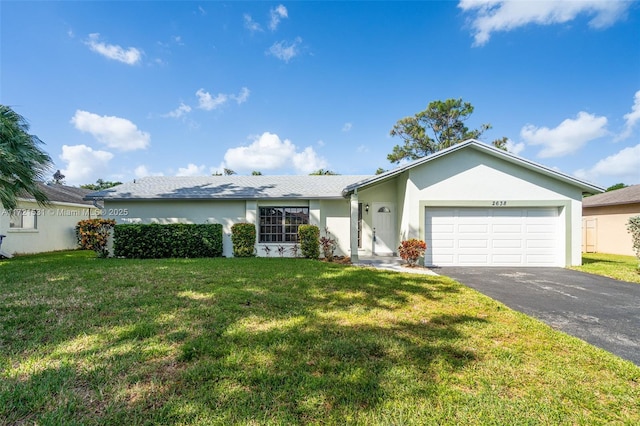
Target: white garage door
x=493, y=237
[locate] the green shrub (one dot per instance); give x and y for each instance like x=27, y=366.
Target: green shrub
x=309, y=239
x=174, y=240
x=93, y=234
x=411, y=250
x=243, y=237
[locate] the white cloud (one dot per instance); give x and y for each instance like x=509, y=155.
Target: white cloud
x=242, y=96
x=631, y=119
x=568, y=137
x=208, y=102
x=489, y=16
x=179, y=112
x=515, y=148
x=191, y=170
x=277, y=14
x=347, y=127
x=250, y=24
x=83, y=164
x=142, y=171
x=362, y=149
x=269, y=152
x=307, y=161
x=115, y=132
x=624, y=166
x=285, y=51
x=130, y=56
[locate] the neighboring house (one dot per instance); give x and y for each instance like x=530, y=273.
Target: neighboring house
x=472, y=203
x=32, y=228
x=604, y=221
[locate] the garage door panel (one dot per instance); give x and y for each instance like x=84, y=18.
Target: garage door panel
x=443, y=243
x=473, y=228
x=442, y=227
x=540, y=259
x=506, y=259
x=506, y=244
x=472, y=259
x=495, y=236
x=473, y=243
x=506, y=228
x=540, y=244
x=540, y=228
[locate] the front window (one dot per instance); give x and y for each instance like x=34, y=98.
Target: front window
x=280, y=224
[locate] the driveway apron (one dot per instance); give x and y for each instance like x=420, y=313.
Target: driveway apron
x=599, y=310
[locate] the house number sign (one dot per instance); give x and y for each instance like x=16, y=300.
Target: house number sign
x=498, y=203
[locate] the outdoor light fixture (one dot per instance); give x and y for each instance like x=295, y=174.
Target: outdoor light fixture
x=366, y=208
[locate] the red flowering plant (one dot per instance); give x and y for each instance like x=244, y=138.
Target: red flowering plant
x=411, y=250
x=93, y=234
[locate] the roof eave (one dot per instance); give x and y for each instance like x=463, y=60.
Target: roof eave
x=584, y=186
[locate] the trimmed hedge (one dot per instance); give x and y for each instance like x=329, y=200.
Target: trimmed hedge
x=156, y=241
x=243, y=237
x=309, y=238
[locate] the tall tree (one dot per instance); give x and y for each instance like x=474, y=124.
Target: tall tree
x=439, y=126
x=100, y=185
x=22, y=162
x=256, y=173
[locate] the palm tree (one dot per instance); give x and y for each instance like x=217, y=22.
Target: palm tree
x=22, y=162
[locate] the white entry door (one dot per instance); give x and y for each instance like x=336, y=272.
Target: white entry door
x=384, y=219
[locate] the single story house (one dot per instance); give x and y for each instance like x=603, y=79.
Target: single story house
x=32, y=228
x=473, y=204
x=604, y=221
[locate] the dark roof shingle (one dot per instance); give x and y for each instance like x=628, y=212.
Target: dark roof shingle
x=62, y=194
x=628, y=195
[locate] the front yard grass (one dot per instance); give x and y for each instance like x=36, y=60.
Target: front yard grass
x=284, y=341
x=616, y=266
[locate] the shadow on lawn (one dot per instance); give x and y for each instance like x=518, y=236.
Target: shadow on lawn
x=312, y=343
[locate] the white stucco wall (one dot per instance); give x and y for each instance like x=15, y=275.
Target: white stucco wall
x=55, y=227
x=472, y=178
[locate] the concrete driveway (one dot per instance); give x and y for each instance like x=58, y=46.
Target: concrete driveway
x=599, y=310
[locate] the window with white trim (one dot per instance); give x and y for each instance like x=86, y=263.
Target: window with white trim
x=24, y=219
x=280, y=224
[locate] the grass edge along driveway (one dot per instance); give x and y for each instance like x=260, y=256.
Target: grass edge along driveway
x=284, y=341
x=616, y=266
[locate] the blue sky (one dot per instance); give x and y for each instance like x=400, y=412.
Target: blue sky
x=119, y=90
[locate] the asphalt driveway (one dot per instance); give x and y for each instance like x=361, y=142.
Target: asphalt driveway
x=599, y=310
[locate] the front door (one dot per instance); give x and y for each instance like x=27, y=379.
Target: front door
x=384, y=220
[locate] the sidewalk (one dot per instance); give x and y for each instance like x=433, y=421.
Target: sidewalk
x=390, y=263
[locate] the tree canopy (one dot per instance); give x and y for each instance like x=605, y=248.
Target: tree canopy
x=100, y=185
x=22, y=161
x=439, y=126
x=616, y=186
x=321, y=172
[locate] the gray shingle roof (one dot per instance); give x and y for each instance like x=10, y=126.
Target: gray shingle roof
x=62, y=194
x=628, y=195
x=229, y=187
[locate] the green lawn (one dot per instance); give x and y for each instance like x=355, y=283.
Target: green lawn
x=614, y=266
x=284, y=341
